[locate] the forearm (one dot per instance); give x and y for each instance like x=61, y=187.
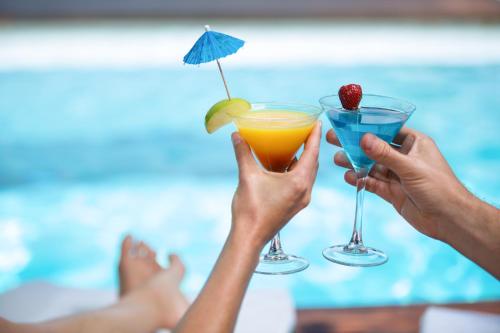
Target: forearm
x=217, y=306
x=475, y=232
x=133, y=314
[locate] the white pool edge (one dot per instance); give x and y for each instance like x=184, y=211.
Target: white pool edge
x=52, y=46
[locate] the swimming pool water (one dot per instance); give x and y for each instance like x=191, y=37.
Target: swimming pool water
x=88, y=155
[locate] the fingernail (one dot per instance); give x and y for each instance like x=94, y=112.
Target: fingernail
x=369, y=141
x=235, y=137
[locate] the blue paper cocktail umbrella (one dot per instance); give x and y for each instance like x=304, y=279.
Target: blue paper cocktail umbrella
x=213, y=45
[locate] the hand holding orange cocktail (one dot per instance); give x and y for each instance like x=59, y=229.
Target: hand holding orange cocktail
x=275, y=132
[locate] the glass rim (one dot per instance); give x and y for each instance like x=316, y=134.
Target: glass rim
x=408, y=109
x=287, y=106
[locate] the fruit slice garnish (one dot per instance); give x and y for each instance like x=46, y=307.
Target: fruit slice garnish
x=350, y=95
x=222, y=113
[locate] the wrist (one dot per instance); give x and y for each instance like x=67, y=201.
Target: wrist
x=245, y=239
x=465, y=211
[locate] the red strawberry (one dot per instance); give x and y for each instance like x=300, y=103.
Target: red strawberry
x=350, y=96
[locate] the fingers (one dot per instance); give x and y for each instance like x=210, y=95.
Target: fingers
x=383, y=173
x=373, y=185
x=400, y=137
x=404, y=132
x=244, y=157
x=341, y=160
x=293, y=164
x=315, y=172
x=309, y=158
x=350, y=177
x=382, y=153
x=331, y=137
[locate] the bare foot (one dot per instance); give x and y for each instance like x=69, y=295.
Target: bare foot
x=137, y=265
x=139, y=270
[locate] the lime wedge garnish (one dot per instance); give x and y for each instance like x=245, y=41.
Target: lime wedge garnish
x=222, y=113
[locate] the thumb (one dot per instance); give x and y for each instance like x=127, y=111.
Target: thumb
x=246, y=162
x=382, y=153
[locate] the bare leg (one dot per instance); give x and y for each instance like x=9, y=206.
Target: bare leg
x=150, y=299
x=138, y=268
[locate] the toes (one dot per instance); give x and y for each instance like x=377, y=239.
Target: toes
x=146, y=252
x=127, y=245
x=152, y=255
x=176, y=266
x=142, y=250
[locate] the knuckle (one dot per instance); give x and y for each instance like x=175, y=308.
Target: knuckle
x=306, y=199
x=243, y=180
x=384, y=150
x=315, y=151
x=298, y=185
x=247, y=179
x=371, y=185
x=425, y=138
x=300, y=191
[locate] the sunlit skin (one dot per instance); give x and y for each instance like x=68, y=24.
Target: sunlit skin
x=276, y=142
x=418, y=181
x=150, y=299
x=415, y=179
x=263, y=203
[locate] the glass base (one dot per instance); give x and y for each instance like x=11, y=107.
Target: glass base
x=357, y=256
x=279, y=264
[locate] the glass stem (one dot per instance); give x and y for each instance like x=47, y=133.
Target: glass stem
x=275, y=247
x=357, y=232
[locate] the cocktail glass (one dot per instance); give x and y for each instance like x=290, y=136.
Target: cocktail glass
x=275, y=132
x=379, y=115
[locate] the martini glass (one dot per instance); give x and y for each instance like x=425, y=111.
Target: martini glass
x=383, y=117
x=275, y=132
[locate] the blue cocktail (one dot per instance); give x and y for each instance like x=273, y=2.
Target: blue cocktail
x=378, y=115
x=350, y=127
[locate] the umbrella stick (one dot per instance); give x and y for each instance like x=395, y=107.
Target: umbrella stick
x=207, y=28
x=223, y=79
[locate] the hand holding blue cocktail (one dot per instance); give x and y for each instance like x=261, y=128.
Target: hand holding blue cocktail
x=381, y=116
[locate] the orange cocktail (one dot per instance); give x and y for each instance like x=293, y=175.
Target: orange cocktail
x=275, y=132
x=275, y=136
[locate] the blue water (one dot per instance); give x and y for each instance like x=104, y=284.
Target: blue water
x=88, y=155
x=352, y=126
